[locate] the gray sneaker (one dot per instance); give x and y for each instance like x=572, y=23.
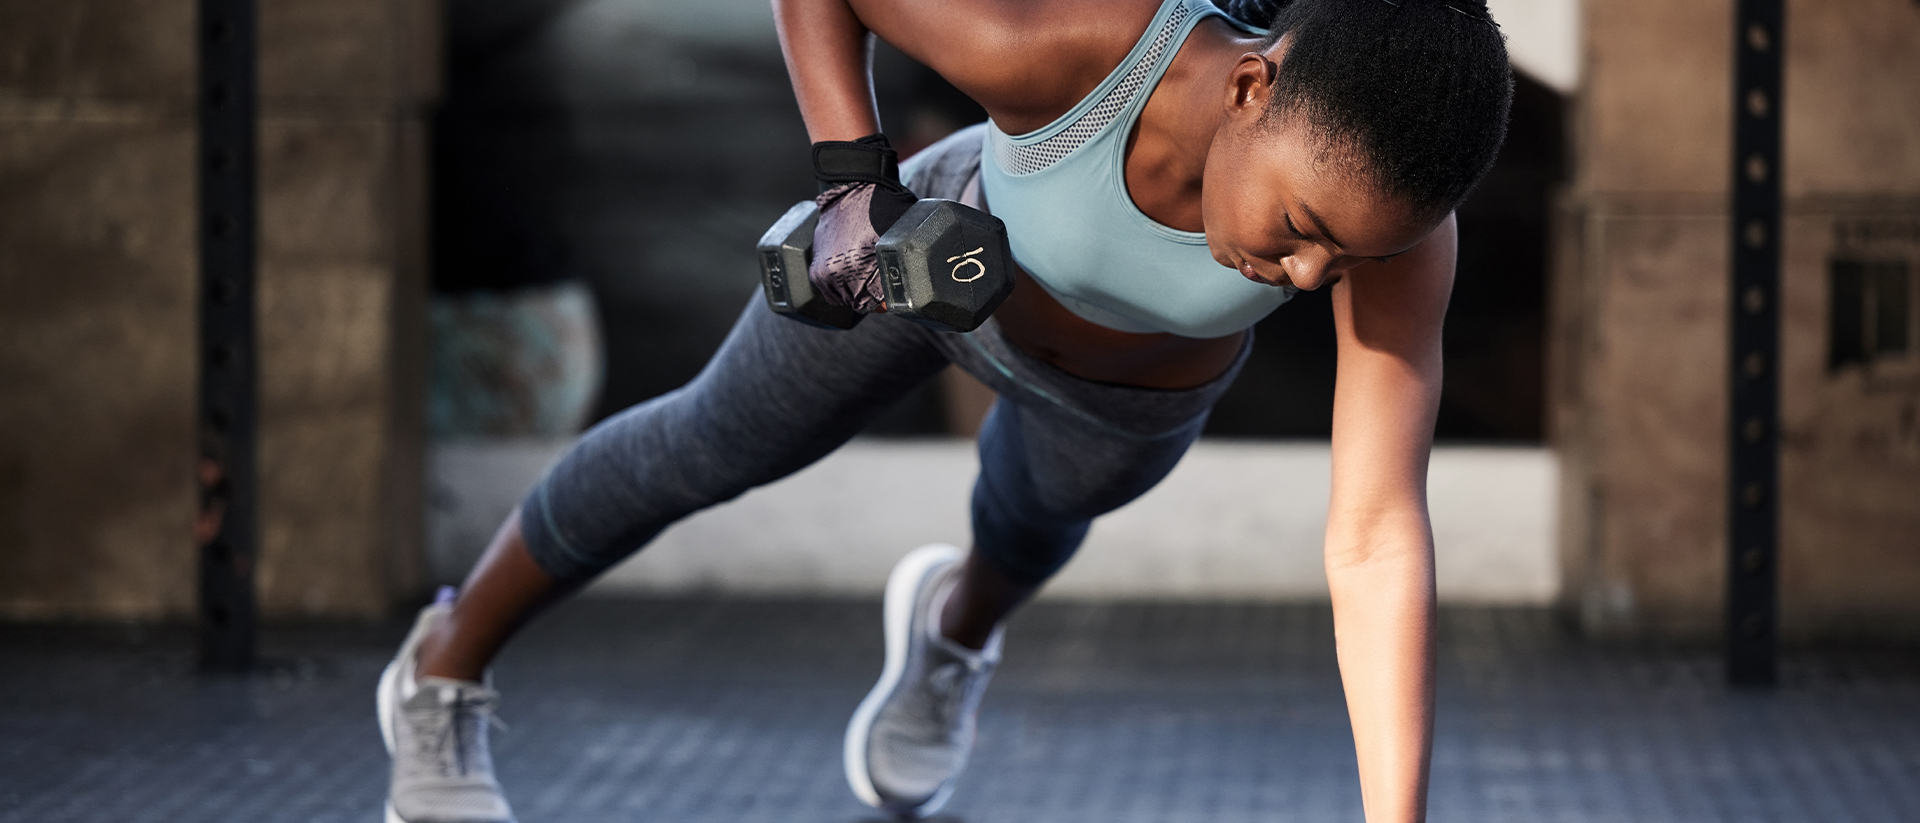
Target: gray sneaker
x=910, y=737
x=436, y=731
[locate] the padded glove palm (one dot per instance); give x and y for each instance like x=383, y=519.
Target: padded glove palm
x=860, y=198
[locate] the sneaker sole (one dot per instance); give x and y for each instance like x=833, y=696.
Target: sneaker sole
x=383, y=708
x=902, y=586
x=384, y=696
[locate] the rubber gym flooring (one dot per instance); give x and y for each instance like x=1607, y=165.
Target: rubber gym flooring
x=728, y=710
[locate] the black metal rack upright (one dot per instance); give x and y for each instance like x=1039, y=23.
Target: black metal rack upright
x=227, y=108
x=1753, y=443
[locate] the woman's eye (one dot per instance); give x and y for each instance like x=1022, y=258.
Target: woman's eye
x=1291, y=228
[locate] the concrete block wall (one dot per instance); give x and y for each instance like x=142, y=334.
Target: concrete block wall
x=1640, y=313
x=97, y=329
x=98, y=333
x=345, y=86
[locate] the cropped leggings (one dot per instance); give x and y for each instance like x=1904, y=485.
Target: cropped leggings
x=1056, y=450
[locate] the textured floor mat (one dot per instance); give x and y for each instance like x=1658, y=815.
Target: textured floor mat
x=715, y=710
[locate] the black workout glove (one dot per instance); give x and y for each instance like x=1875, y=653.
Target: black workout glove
x=860, y=198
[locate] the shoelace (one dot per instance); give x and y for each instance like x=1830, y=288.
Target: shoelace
x=950, y=683
x=452, y=728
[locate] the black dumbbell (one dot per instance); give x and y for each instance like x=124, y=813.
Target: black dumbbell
x=785, y=251
x=942, y=265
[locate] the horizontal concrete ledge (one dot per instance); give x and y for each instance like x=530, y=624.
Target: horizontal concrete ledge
x=1237, y=520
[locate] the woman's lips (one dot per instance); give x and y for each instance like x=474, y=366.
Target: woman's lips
x=1247, y=271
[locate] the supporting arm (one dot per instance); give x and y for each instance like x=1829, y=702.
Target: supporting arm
x=1379, y=545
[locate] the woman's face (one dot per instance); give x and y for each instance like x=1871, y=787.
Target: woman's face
x=1282, y=214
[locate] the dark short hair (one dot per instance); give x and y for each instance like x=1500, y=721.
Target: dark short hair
x=1418, y=90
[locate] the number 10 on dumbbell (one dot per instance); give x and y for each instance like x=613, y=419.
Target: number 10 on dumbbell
x=942, y=265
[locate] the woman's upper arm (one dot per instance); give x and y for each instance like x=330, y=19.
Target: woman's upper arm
x=1017, y=58
x=1388, y=318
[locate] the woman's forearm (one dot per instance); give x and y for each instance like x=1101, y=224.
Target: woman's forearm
x=1383, y=626
x=829, y=58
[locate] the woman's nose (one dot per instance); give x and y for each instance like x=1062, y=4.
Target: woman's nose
x=1308, y=268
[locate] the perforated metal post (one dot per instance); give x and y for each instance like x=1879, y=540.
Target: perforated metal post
x=1753, y=430
x=227, y=343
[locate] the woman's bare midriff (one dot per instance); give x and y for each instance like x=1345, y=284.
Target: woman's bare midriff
x=1040, y=326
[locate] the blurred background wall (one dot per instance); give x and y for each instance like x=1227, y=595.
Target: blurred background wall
x=558, y=198
x=97, y=264
x=1641, y=311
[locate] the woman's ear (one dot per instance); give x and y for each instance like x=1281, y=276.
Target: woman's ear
x=1250, y=83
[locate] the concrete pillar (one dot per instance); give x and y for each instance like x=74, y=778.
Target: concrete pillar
x=1640, y=321
x=98, y=333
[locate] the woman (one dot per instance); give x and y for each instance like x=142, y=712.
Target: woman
x=1167, y=176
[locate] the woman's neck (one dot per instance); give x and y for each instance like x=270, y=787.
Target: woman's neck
x=1167, y=151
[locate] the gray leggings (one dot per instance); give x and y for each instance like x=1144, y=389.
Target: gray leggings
x=1055, y=451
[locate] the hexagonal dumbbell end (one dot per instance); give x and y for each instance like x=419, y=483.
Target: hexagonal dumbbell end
x=785, y=250
x=945, y=265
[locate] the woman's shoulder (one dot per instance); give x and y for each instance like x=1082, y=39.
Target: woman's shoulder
x=1022, y=60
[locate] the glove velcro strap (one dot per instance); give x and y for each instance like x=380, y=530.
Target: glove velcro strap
x=867, y=160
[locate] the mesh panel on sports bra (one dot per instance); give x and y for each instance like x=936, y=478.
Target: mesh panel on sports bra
x=1018, y=159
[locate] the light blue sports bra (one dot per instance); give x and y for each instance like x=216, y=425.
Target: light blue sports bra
x=1074, y=228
